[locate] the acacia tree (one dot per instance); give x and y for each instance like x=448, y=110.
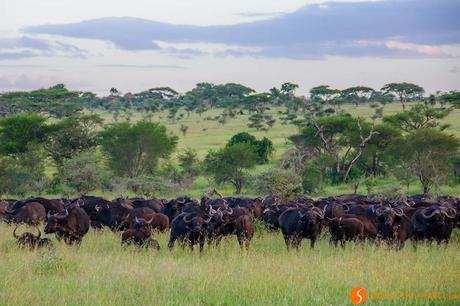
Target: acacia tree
x=135, y=149
x=357, y=94
x=404, y=91
x=342, y=137
x=418, y=117
x=452, y=97
x=71, y=136
x=428, y=155
x=230, y=164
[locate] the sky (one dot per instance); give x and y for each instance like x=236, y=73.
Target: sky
x=139, y=44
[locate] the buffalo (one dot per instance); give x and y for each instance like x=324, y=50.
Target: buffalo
x=393, y=225
x=71, y=225
x=139, y=234
x=31, y=241
x=345, y=229
x=433, y=223
x=189, y=228
x=299, y=223
x=32, y=213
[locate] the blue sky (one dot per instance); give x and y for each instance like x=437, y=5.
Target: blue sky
x=138, y=44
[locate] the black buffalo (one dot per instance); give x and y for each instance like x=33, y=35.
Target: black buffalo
x=190, y=228
x=299, y=223
x=70, y=225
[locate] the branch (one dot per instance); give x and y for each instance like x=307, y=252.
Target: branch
x=361, y=147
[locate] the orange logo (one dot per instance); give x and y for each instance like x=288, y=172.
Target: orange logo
x=358, y=295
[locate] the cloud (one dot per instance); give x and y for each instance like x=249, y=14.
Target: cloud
x=407, y=48
x=142, y=66
x=28, y=82
x=454, y=70
x=26, y=47
x=392, y=28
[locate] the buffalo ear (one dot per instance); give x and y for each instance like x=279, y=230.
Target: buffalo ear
x=340, y=220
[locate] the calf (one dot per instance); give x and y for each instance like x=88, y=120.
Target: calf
x=139, y=235
x=30, y=241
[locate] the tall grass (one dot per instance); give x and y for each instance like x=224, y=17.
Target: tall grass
x=101, y=272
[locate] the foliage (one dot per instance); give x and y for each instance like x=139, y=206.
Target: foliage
x=135, y=149
x=264, y=147
x=404, y=91
x=189, y=163
x=427, y=152
x=19, y=131
x=452, y=97
x=341, y=136
x=418, y=117
x=230, y=164
x=312, y=177
x=55, y=101
x=148, y=186
x=83, y=172
x=72, y=135
x=282, y=183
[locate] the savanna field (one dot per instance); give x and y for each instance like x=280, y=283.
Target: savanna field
x=102, y=272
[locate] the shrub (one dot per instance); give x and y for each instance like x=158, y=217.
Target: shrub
x=282, y=183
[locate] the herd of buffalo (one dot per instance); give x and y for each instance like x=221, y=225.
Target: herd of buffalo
x=346, y=218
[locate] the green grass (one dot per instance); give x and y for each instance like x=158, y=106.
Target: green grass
x=101, y=272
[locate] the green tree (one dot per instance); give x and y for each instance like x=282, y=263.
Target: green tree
x=72, y=135
x=404, y=91
x=83, y=172
x=342, y=137
x=189, y=163
x=18, y=132
x=357, y=95
x=264, y=147
x=419, y=116
x=230, y=164
x=452, y=97
x=428, y=155
x=282, y=183
x=135, y=149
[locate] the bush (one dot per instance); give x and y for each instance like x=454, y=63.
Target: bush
x=311, y=178
x=282, y=183
x=84, y=172
x=148, y=186
x=264, y=148
x=24, y=174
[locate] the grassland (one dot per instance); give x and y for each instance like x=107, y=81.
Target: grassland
x=204, y=135
x=101, y=272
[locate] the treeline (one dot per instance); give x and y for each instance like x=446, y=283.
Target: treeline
x=233, y=99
